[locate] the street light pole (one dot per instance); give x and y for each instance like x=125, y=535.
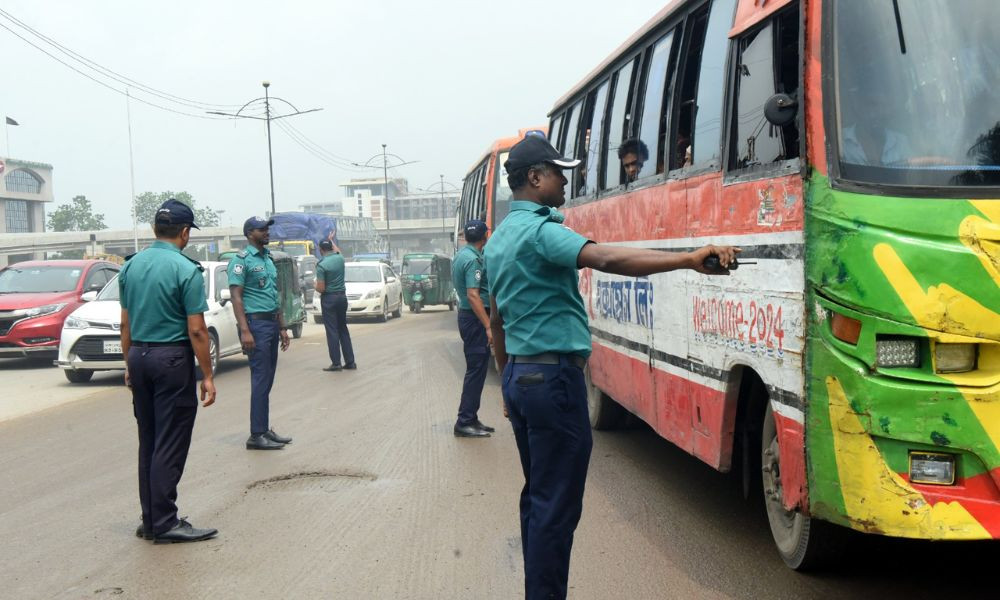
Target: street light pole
x=266, y=118
x=385, y=180
x=270, y=161
x=444, y=228
x=131, y=173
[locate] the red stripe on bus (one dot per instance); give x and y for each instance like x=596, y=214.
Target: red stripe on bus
x=696, y=207
x=978, y=495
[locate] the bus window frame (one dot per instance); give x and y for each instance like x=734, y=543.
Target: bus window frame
x=830, y=132
x=635, y=58
x=556, y=125
x=781, y=168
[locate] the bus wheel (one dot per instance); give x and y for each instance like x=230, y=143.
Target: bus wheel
x=804, y=543
x=605, y=413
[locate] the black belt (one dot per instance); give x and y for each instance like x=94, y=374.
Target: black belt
x=177, y=344
x=268, y=316
x=332, y=293
x=550, y=358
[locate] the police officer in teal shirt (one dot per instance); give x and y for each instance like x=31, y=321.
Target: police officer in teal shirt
x=468, y=275
x=253, y=283
x=541, y=337
x=162, y=294
x=333, y=303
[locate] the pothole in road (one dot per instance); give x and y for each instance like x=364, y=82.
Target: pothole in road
x=311, y=480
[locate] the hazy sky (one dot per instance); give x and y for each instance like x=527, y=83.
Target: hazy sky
x=436, y=81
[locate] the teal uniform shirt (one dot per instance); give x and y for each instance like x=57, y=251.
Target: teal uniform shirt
x=331, y=271
x=533, y=276
x=468, y=270
x=254, y=271
x=160, y=288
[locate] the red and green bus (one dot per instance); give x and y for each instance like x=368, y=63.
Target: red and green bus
x=851, y=367
x=485, y=194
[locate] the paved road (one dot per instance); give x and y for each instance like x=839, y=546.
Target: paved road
x=377, y=499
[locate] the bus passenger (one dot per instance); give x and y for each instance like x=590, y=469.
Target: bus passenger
x=868, y=140
x=538, y=316
x=633, y=153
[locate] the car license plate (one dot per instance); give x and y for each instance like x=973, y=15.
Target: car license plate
x=112, y=346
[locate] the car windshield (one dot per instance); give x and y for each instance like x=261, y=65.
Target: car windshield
x=110, y=291
x=14, y=280
x=417, y=266
x=916, y=92
x=362, y=274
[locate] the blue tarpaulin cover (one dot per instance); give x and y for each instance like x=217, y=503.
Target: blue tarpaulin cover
x=304, y=226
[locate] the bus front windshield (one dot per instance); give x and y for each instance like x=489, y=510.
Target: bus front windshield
x=502, y=193
x=916, y=92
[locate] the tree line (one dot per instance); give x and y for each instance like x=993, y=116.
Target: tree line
x=79, y=214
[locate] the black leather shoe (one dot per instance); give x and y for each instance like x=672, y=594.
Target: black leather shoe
x=333, y=368
x=262, y=442
x=351, y=367
x=470, y=431
x=480, y=425
x=142, y=532
x=184, y=532
x=274, y=437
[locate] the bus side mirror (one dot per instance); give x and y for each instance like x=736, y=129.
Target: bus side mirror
x=780, y=109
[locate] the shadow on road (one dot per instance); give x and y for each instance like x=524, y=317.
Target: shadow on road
x=30, y=363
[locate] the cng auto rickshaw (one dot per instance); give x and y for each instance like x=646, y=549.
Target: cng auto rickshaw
x=427, y=280
x=290, y=300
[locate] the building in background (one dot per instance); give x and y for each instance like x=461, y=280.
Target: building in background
x=26, y=187
x=334, y=208
x=366, y=197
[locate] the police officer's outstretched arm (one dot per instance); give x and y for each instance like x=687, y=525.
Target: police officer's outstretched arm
x=638, y=262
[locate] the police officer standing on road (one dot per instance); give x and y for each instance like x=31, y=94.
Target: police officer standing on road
x=163, y=328
x=253, y=283
x=333, y=302
x=468, y=275
x=540, y=324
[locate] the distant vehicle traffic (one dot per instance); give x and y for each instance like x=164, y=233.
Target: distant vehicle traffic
x=427, y=280
x=91, y=336
x=373, y=290
x=37, y=296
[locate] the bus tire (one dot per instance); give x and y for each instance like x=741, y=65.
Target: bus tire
x=605, y=413
x=803, y=542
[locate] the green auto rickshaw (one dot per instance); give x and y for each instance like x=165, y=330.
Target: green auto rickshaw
x=290, y=293
x=427, y=280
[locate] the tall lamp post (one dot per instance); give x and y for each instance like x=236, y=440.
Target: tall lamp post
x=267, y=99
x=440, y=185
x=385, y=181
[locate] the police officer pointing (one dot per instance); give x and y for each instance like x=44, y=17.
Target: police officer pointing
x=163, y=328
x=468, y=275
x=253, y=284
x=541, y=337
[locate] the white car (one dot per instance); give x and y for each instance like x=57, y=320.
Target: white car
x=373, y=290
x=91, y=338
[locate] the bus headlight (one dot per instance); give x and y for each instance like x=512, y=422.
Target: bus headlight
x=954, y=358
x=932, y=467
x=897, y=352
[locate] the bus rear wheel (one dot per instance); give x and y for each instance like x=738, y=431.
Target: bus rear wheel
x=804, y=543
x=605, y=413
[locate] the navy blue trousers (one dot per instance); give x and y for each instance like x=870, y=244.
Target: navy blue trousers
x=164, y=401
x=477, y=362
x=263, y=364
x=334, y=305
x=547, y=405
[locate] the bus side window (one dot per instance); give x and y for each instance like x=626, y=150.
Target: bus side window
x=569, y=146
x=555, y=129
x=698, y=138
x=589, y=142
x=767, y=64
x=655, y=94
x=617, y=125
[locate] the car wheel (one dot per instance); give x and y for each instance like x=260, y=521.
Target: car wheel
x=78, y=375
x=385, y=311
x=297, y=330
x=399, y=309
x=317, y=319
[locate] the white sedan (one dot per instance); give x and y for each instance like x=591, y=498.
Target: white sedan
x=91, y=338
x=373, y=290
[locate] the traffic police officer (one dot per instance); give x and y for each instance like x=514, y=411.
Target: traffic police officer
x=253, y=283
x=539, y=322
x=468, y=275
x=163, y=328
x=333, y=303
